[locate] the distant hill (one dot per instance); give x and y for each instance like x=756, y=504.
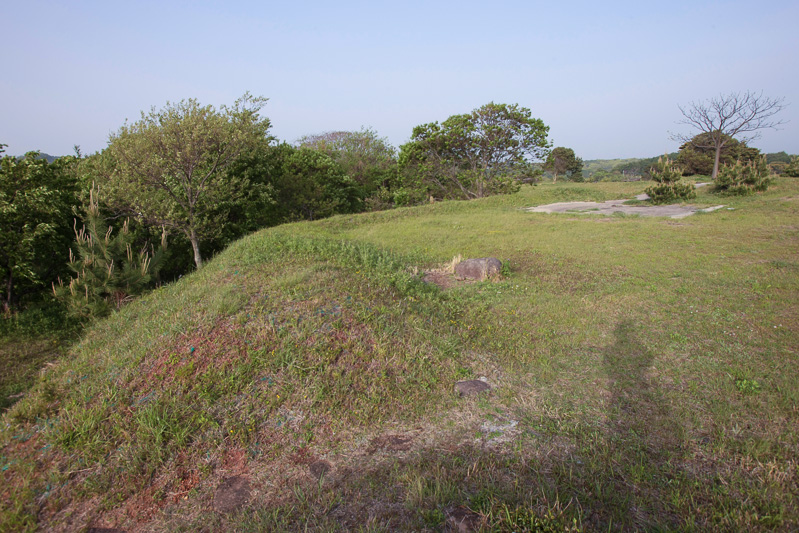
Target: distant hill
x=632, y=166
x=42, y=155
x=779, y=157
x=640, y=167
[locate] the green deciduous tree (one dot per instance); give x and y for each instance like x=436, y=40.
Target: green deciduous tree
x=311, y=185
x=562, y=161
x=367, y=158
x=698, y=155
x=36, y=200
x=170, y=168
x=488, y=151
x=729, y=116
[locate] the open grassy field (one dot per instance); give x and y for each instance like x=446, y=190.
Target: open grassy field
x=644, y=375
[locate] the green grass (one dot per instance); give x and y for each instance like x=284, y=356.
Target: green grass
x=28, y=342
x=644, y=375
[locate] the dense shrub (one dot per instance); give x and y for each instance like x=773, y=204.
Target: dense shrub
x=668, y=189
x=792, y=169
x=743, y=178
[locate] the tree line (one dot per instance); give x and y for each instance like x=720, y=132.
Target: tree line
x=180, y=183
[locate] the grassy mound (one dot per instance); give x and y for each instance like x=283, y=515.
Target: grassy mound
x=643, y=373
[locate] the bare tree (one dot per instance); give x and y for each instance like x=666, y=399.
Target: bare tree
x=732, y=115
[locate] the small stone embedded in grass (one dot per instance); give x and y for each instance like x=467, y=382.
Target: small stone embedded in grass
x=471, y=387
x=232, y=494
x=479, y=269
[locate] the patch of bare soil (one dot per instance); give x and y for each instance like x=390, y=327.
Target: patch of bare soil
x=462, y=520
x=445, y=280
x=390, y=443
x=232, y=494
x=318, y=469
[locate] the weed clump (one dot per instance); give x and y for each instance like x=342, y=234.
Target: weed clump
x=747, y=386
x=668, y=189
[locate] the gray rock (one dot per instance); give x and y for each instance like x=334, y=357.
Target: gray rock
x=479, y=269
x=468, y=388
x=231, y=494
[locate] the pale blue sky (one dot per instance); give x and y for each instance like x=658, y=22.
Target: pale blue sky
x=606, y=77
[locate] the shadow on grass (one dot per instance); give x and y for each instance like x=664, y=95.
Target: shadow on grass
x=550, y=477
x=644, y=438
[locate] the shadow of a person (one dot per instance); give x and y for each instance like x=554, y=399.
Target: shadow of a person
x=643, y=435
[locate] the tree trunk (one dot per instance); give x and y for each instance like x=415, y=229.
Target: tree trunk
x=716, y=161
x=195, y=244
x=9, y=286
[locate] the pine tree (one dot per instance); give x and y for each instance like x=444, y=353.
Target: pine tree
x=792, y=170
x=669, y=189
x=744, y=178
x=108, y=273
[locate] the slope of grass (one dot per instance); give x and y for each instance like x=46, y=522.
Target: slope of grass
x=643, y=371
x=28, y=342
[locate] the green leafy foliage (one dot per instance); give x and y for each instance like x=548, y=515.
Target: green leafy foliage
x=108, y=273
x=311, y=185
x=668, y=189
x=562, y=161
x=369, y=160
x=639, y=167
x=256, y=207
x=36, y=198
x=170, y=168
x=743, y=178
x=488, y=151
x=698, y=155
x=779, y=157
x=747, y=386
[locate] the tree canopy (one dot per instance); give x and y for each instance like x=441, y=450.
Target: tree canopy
x=170, y=167
x=487, y=151
x=36, y=199
x=311, y=185
x=108, y=270
x=562, y=161
x=697, y=156
x=367, y=158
